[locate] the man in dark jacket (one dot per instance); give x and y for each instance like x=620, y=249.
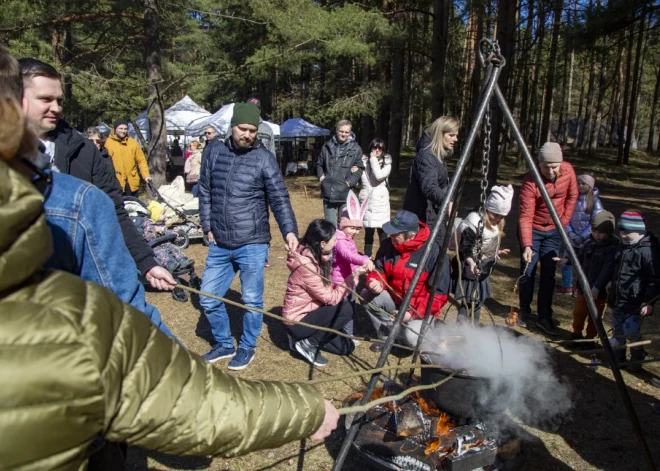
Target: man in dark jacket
x=239, y=181
x=339, y=168
x=73, y=155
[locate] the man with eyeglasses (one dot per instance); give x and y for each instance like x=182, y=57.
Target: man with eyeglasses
x=339, y=168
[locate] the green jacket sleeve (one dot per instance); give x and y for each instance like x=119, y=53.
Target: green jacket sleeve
x=162, y=397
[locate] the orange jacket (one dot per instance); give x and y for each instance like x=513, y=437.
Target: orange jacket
x=127, y=158
x=534, y=213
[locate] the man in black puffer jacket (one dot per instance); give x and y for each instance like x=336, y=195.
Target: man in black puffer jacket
x=239, y=180
x=73, y=155
x=339, y=168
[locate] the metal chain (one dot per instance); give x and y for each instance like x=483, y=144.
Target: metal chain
x=485, y=164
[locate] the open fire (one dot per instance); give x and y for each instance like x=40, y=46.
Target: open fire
x=414, y=434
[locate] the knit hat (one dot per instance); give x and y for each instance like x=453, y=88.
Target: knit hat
x=604, y=222
x=346, y=221
x=550, y=153
x=632, y=221
x=245, y=113
x=499, y=200
x=119, y=122
x=587, y=180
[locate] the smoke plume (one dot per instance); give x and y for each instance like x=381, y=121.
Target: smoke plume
x=519, y=372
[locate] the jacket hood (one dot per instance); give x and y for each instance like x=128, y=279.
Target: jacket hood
x=424, y=141
x=25, y=240
x=416, y=242
x=349, y=139
x=647, y=240
x=302, y=256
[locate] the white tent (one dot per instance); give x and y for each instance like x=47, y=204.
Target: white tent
x=219, y=120
x=183, y=113
x=275, y=128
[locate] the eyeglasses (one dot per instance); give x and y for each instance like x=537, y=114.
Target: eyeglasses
x=377, y=147
x=208, y=132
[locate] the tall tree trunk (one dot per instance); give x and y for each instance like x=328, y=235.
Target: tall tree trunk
x=615, y=99
x=654, y=111
x=526, y=70
x=439, y=54
x=634, y=98
x=626, y=94
x=550, y=75
x=396, y=119
x=158, y=145
x=576, y=141
x=410, y=76
x=589, y=111
x=537, y=76
x=506, y=36
x=602, y=88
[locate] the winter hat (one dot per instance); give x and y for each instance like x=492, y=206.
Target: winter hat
x=550, y=153
x=604, y=222
x=245, y=113
x=587, y=180
x=632, y=221
x=119, y=122
x=353, y=214
x=499, y=200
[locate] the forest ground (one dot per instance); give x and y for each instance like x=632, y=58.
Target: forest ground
x=596, y=435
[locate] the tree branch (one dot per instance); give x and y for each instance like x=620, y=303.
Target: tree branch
x=72, y=19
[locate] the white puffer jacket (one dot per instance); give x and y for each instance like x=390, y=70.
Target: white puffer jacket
x=374, y=178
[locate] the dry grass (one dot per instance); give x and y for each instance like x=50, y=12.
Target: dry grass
x=597, y=435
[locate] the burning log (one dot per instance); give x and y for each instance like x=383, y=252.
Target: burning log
x=408, y=421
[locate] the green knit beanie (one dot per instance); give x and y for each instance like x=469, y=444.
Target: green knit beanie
x=245, y=113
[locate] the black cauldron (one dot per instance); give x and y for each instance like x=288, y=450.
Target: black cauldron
x=458, y=397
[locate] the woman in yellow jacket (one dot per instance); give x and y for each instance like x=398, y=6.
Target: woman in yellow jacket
x=78, y=365
x=127, y=158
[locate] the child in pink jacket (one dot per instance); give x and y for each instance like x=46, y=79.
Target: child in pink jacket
x=346, y=258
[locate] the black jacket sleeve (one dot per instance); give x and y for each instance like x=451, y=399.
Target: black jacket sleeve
x=427, y=170
x=320, y=162
x=103, y=176
x=353, y=178
x=468, y=242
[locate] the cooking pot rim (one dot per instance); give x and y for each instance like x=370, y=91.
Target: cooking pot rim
x=427, y=357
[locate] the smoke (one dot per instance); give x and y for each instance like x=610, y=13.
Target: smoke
x=520, y=375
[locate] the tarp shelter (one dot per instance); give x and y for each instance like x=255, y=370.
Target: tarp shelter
x=219, y=120
x=275, y=127
x=299, y=128
x=104, y=129
x=182, y=114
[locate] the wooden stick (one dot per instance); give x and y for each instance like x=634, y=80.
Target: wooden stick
x=305, y=188
x=596, y=339
x=396, y=397
x=599, y=350
x=372, y=371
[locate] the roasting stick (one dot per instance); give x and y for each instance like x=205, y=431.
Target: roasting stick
x=371, y=371
x=281, y=319
x=395, y=397
x=596, y=339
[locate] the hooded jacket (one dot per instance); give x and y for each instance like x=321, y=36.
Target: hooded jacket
x=77, y=364
x=636, y=277
x=346, y=258
x=127, y=158
x=397, y=265
x=306, y=291
x=236, y=188
x=80, y=158
x=534, y=214
x=335, y=162
x=374, y=181
x=579, y=228
x=429, y=182
x=597, y=260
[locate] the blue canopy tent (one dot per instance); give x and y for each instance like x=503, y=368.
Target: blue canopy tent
x=298, y=128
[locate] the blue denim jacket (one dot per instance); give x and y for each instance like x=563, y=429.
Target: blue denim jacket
x=87, y=241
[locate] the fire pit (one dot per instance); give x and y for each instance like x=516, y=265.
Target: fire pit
x=414, y=434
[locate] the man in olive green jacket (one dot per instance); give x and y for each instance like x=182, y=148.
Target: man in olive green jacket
x=77, y=364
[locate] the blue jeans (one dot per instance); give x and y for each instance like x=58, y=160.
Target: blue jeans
x=567, y=271
x=545, y=245
x=221, y=267
x=195, y=190
x=628, y=324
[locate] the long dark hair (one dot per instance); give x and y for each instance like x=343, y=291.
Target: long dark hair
x=319, y=230
x=377, y=142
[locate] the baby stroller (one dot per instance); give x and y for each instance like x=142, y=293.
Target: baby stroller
x=167, y=252
x=181, y=212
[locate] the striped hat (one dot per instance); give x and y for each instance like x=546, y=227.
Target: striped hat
x=632, y=221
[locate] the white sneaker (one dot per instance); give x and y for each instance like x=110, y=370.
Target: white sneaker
x=310, y=353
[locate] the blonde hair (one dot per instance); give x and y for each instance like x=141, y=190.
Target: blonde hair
x=489, y=226
x=437, y=131
x=344, y=122
x=195, y=145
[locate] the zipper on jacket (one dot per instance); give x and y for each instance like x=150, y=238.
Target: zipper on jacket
x=231, y=169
